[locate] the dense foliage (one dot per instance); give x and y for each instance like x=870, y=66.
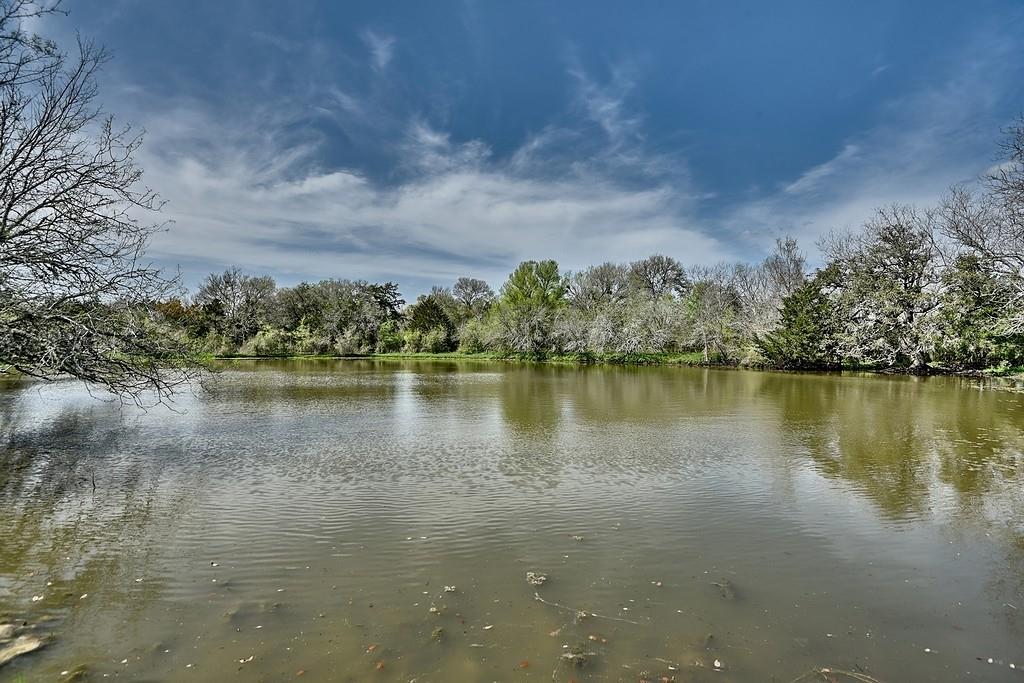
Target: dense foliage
x=912, y=289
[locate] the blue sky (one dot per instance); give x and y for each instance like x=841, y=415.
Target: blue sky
x=421, y=141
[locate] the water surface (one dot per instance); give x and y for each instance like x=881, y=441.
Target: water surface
x=302, y=520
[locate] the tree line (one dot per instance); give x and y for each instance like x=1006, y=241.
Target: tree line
x=913, y=289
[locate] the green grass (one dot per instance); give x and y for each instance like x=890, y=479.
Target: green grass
x=690, y=358
x=1005, y=371
x=446, y=355
x=280, y=356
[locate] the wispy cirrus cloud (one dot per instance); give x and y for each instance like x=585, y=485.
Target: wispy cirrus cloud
x=606, y=104
x=819, y=175
x=925, y=141
x=461, y=213
x=381, y=46
x=257, y=190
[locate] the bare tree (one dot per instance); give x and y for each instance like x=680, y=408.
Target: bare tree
x=756, y=296
x=990, y=223
x=474, y=294
x=786, y=268
x=761, y=289
x=598, y=286
x=238, y=303
x=658, y=275
x=711, y=308
x=75, y=289
x=24, y=56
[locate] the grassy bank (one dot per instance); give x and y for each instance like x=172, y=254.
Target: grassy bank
x=566, y=358
x=689, y=359
x=692, y=358
x=1012, y=372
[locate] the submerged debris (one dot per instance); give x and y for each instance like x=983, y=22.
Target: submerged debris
x=830, y=675
x=536, y=578
x=578, y=656
x=726, y=588
x=437, y=635
x=12, y=647
x=579, y=615
x=79, y=673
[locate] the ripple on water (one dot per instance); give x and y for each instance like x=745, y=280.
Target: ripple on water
x=311, y=517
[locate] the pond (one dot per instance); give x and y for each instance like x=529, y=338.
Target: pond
x=376, y=520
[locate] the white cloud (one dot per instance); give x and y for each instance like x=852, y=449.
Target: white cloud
x=927, y=140
x=819, y=174
x=244, y=192
x=382, y=48
x=605, y=104
x=238, y=198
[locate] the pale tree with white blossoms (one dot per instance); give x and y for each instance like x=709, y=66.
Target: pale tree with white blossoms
x=989, y=223
x=891, y=284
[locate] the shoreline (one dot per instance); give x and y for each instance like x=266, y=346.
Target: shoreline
x=694, y=360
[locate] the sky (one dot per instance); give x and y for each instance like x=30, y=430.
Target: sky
x=423, y=141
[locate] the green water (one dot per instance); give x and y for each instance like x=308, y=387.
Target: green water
x=300, y=520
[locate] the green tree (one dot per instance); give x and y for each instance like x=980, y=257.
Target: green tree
x=389, y=339
x=989, y=222
x=534, y=283
x=971, y=327
x=294, y=305
x=526, y=311
x=427, y=314
x=806, y=335
x=428, y=317
x=236, y=303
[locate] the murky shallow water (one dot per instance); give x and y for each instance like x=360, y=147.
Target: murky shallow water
x=304, y=519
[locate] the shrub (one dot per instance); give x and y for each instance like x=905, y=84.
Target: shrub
x=412, y=341
x=389, y=339
x=269, y=342
x=475, y=336
x=436, y=341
